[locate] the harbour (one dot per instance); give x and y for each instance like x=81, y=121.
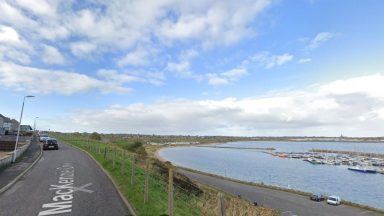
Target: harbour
x=294, y=166
x=370, y=163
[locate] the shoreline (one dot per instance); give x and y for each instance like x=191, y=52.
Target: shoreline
x=277, y=188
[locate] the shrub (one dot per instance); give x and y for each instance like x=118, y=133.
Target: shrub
x=95, y=136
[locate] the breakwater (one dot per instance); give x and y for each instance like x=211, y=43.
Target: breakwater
x=231, y=147
x=352, y=153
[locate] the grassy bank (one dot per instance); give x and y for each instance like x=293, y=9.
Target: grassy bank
x=189, y=199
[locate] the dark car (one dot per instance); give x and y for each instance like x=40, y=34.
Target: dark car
x=317, y=197
x=50, y=144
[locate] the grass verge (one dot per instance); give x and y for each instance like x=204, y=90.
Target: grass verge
x=131, y=179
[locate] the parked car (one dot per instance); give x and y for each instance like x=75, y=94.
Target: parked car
x=43, y=137
x=317, y=197
x=334, y=200
x=50, y=144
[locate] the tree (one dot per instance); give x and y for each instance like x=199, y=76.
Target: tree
x=95, y=136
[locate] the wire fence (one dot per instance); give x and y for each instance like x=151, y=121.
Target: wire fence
x=156, y=188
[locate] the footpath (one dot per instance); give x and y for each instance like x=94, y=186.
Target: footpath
x=12, y=172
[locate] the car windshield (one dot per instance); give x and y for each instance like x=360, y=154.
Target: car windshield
x=332, y=198
x=51, y=141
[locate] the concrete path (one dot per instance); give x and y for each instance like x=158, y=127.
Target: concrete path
x=64, y=182
x=287, y=203
x=11, y=172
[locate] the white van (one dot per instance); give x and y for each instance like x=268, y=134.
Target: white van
x=334, y=200
x=43, y=137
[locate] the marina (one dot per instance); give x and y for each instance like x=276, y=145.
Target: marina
x=293, y=165
x=353, y=161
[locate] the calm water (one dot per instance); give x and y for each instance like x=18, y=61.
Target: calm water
x=254, y=166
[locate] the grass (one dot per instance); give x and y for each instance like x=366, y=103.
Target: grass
x=158, y=195
x=117, y=161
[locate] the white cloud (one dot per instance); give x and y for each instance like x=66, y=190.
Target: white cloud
x=82, y=48
x=51, y=55
x=182, y=66
x=217, y=79
x=14, y=16
x=269, y=61
x=134, y=28
x=13, y=47
x=320, y=39
x=154, y=78
x=41, y=7
x=213, y=22
x=138, y=57
x=41, y=81
x=304, y=60
x=112, y=75
x=326, y=109
x=119, y=25
x=10, y=36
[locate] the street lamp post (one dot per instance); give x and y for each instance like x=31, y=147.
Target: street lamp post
x=18, y=130
x=34, y=125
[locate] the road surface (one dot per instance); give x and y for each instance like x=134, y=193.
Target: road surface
x=64, y=182
x=287, y=203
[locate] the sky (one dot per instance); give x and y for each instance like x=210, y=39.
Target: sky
x=212, y=67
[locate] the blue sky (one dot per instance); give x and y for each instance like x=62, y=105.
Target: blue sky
x=262, y=67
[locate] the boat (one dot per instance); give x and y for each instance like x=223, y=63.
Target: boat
x=362, y=169
x=314, y=161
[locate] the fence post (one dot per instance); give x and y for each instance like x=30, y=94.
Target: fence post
x=221, y=205
x=170, y=191
x=132, y=169
x=123, y=164
x=113, y=158
x=105, y=152
x=146, y=181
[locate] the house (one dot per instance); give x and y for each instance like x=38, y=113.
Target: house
x=3, y=121
x=7, y=125
x=26, y=130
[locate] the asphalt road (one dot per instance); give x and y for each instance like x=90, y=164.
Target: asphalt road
x=287, y=203
x=64, y=182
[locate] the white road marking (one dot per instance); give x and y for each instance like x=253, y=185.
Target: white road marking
x=62, y=200
x=64, y=190
x=82, y=188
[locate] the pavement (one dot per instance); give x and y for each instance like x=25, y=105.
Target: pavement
x=288, y=203
x=64, y=182
x=23, y=162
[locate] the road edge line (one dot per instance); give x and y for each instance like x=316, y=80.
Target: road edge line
x=10, y=184
x=128, y=205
